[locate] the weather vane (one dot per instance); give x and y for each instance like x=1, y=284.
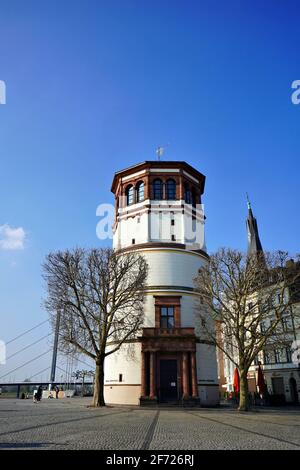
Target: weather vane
x=160, y=151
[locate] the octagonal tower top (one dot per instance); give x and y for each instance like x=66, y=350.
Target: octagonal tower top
x=147, y=170
x=159, y=202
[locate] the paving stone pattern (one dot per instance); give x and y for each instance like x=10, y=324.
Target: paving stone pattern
x=70, y=424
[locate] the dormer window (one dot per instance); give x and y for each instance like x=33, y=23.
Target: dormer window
x=129, y=195
x=140, y=191
x=171, y=189
x=157, y=189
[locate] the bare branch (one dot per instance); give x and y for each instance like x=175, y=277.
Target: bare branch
x=101, y=297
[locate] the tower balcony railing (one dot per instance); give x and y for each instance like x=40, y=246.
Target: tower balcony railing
x=150, y=332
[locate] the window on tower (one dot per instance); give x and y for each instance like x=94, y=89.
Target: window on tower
x=193, y=198
x=167, y=317
x=167, y=312
x=140, y=191
x=129, y=195
x=187, y=194
x=171, y=189
x=157, y=189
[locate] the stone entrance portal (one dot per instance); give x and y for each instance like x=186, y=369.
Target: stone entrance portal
x=169, y=371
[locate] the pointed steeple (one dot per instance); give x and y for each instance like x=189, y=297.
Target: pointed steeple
x=254, y=244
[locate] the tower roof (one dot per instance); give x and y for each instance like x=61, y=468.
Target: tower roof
x=254, y=244
x=159, y=164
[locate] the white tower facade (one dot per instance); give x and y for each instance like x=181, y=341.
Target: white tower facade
x=159, y=214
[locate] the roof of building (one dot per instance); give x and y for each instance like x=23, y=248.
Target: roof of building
x=158, y=164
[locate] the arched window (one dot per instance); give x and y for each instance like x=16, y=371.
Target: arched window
x=157, y=189
x=140, y=191
x=171, y=189
x=129, y=195
x=187, y=194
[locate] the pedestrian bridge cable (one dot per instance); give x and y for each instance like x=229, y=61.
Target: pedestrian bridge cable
x=26, y=363
x=40, y=372
x=28, y=346
x=28, y=331
x=32, y=344
x=78, y=360
x=63, y=370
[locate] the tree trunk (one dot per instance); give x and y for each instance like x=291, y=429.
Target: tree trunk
x=98, y=398
x=244, y=397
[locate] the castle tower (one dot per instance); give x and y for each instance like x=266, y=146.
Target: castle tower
x=159, y=214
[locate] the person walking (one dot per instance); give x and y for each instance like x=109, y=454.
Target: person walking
x=39, y=393
x=56, y=391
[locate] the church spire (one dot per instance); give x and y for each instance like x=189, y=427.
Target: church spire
x=248, y=202
x=254, y=244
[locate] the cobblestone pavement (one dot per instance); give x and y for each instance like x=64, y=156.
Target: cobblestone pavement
x=70, y=424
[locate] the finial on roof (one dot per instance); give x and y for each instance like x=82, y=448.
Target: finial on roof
x=159, y=152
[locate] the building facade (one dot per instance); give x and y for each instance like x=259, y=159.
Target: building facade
x=280, y=364
x=159, y=214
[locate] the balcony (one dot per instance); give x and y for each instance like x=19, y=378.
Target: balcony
x=168, y=332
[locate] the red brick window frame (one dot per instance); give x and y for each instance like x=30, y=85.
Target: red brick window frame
x=166, y=301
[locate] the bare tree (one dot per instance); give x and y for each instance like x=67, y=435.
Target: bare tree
x=249, y=297
x=100, y=295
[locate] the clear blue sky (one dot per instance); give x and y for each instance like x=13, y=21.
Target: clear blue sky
x=94, y=86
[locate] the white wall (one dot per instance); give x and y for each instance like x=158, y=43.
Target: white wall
x=126, y=361
x=132, y=228
x=156, y=225
x=206, y=363
x=172, y=268
x=188, y=311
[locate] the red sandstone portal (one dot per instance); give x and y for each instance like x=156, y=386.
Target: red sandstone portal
x=169, y=364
